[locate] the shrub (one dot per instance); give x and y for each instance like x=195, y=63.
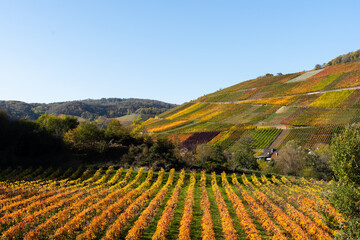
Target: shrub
x=346, y=167
x=211, y=158
x=317, y=163
x=87, y=137
x=346, y=198
x=243, y=157
x=290, y=159
x=162, y=154
x=346, y=160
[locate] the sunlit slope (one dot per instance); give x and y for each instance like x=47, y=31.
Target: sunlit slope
x=330, y=78
x=325, y=97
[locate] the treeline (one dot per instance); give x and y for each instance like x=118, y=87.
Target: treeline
x=89, y=109
x=26, y=143
x=346, y=58
x=55, y=140
x=52, y=140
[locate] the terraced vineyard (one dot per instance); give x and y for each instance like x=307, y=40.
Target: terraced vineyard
x=117, y=204
x=313, y=100
x=310, y=136
x=264, y=137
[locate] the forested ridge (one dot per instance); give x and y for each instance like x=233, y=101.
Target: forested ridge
x=88, y=109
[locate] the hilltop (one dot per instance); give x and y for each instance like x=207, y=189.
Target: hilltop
x=89, y=109
x=307, y=106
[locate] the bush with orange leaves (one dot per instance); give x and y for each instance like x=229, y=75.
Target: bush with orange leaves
x=100, y=222
x=121, y=183
x=105, y=177
x=13, y=210
x=184, y=230
x=226, y=221
x=206, y=222
x=245, y=219
x=168, y=214
x=304, y=221
x=69, y=229
x=18, y=230
x=114, y=179
x=148, y=214
x=307, y=204
x=13, y=217
x=49, y=227
x=270, y=227
x=282, y=218
x=122, y=221
x=308, y=197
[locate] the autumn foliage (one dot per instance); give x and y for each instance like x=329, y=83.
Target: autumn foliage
x=126, y=204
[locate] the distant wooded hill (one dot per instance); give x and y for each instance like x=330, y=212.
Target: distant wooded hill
x=88, y=109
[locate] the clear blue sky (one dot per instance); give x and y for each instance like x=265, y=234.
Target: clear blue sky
x=174, y=51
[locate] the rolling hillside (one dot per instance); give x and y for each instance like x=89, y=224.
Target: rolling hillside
x=89, y=109
x=311, y=105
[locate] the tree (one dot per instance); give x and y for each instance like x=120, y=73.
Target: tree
x=267, y=167
x=115, y=130
x=23, y=142
x=4, y=120
x=87, y=137
x=116, y=133
x=317, y=67
x=290, y=159
x=346, y=166
x=4, y=116
x=211, y=157
x=137, y=155
x=202, y=154
x=162, y=154
x=244, y=157
x=346, y=160
x=57, y=126
x=218, y=159
x=137, y=127
x=346, y=198
x=317, y=163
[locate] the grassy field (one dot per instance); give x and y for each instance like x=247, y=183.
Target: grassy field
x=117, y=204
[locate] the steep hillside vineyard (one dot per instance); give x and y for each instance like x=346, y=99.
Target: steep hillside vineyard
x=314, y=103
x=126, y=204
